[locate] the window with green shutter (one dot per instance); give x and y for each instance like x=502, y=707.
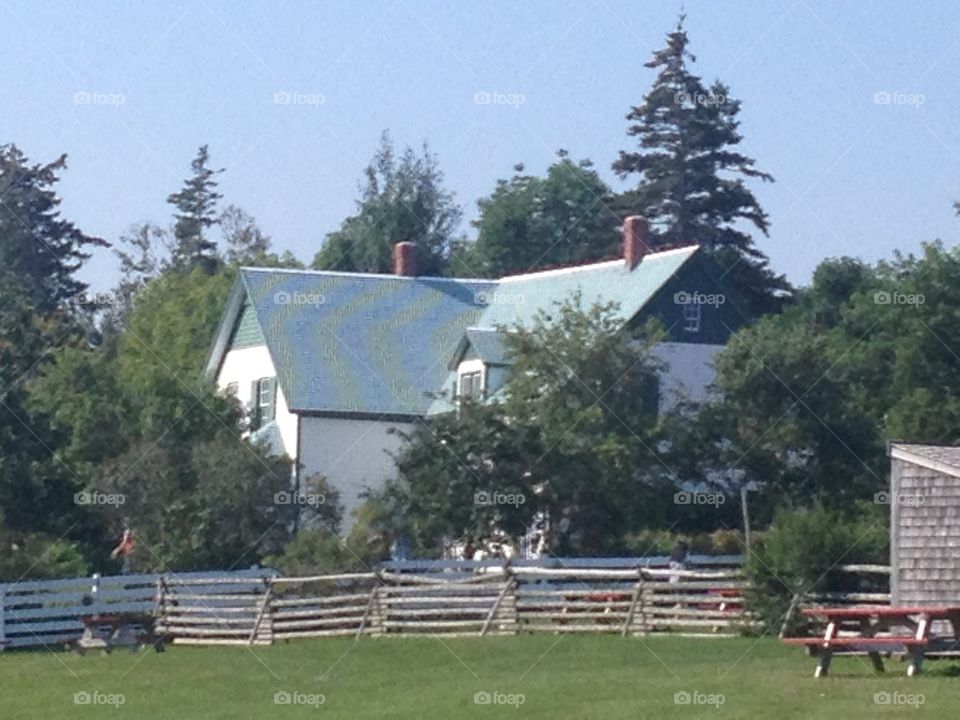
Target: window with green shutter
x=263, y=402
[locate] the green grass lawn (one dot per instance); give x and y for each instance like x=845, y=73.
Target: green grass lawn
x=554, y=676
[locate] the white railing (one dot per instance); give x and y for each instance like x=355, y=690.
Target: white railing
x=49, y=612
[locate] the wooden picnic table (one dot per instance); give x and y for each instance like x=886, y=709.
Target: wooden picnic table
x=111, y=630
x=879, y=629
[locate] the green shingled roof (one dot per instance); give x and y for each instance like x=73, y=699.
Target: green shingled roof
x=381, y=344
x=246, y=332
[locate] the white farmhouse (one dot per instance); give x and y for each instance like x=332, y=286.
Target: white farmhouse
x=329, y=362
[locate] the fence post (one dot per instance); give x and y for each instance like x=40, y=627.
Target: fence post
x=797, y=597
x=95, y=592
x=264, y=606
x=507, y=584
x=380, y=617
x=637, y=598
x=370, y=603
x=158, y=598
x=3, y=639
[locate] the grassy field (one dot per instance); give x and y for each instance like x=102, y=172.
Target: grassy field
x=530, y=677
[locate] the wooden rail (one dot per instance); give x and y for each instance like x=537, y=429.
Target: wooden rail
x=466, y=599
x=875, y=577
x=48, y=612
x=626, y=596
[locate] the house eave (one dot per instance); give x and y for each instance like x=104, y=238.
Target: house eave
x=222, y=336
x=358, y=415
x=900, y=451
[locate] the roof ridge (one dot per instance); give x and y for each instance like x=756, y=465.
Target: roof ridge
x=559, y=269
x=344, y=273
x=660, y=252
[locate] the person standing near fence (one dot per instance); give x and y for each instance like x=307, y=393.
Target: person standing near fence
x=124, y=549
x=678, y=560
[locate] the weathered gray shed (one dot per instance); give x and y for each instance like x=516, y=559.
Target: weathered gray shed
x=924, y=502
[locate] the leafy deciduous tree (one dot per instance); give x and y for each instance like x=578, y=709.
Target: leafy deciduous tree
x=532, y=222
x=403, y=199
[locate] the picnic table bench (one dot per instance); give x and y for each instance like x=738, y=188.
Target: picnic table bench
x=879, y=629
x=112, y=630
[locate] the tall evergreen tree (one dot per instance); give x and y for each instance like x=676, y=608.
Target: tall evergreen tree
x=196, y=210
x=40, y=305
x=38, y=247
x=691, y=179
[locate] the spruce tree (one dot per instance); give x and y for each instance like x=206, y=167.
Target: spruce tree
x=37, y=246
x=691, y=179
x=196, y=210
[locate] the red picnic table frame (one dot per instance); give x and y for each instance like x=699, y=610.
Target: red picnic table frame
x=874, y=625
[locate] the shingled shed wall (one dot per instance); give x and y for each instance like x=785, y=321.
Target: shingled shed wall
x=924, y=524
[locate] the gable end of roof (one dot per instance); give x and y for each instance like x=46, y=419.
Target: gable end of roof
x=939, y=458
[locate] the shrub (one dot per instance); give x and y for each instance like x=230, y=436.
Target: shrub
x=661, y=542
x=33, y=556
x=802, y=552
x=315, y=551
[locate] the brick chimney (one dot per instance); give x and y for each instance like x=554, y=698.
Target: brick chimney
x=405, y=259
x=636, y=231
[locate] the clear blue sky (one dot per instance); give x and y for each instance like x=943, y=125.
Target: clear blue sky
x=853, y=176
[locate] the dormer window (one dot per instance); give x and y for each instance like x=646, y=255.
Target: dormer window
x=471, y=384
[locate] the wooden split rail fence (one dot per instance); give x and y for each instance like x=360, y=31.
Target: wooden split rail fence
x=627, y=596
x=460, y=599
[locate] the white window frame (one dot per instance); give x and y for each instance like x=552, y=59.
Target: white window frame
x=692, y=317
x=475, y=379
x=474, y=372
x=264, y=389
